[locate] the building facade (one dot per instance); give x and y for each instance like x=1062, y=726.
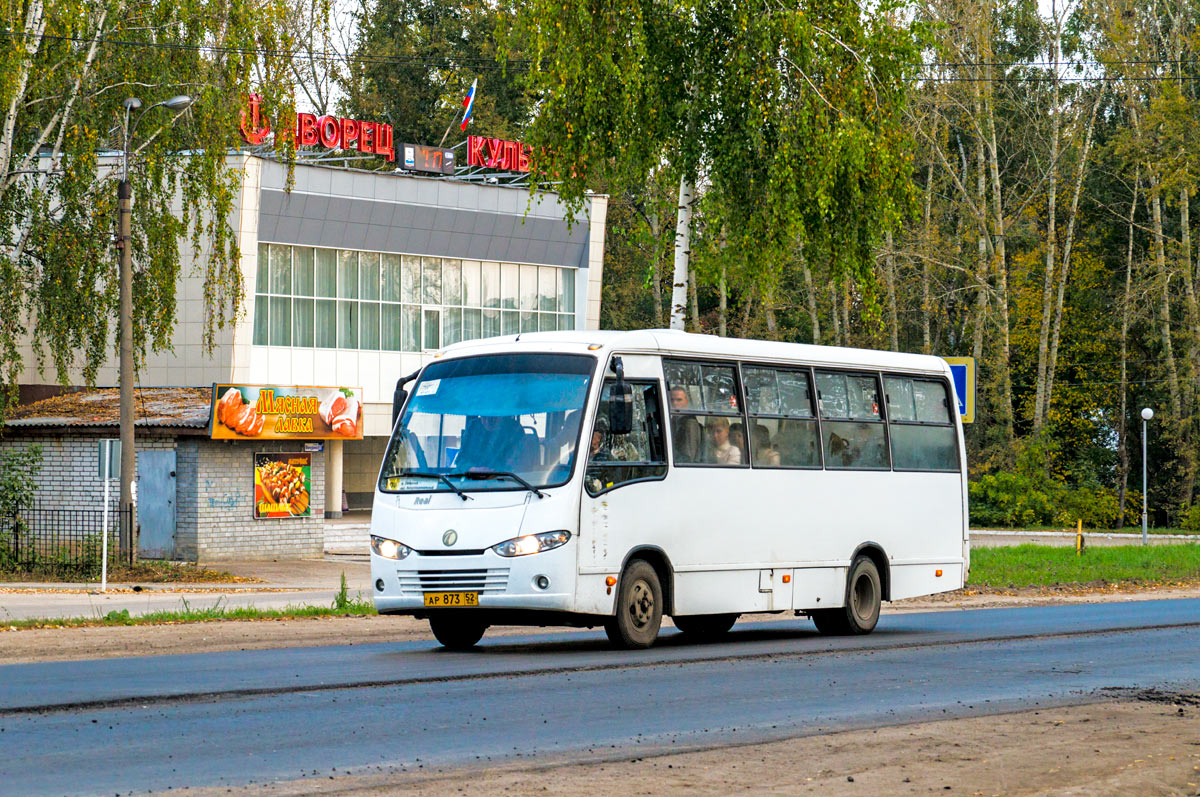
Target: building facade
x=357, y=278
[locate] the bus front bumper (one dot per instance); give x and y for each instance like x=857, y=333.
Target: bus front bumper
x=539, y=582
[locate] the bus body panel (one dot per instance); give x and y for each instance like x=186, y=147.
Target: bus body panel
x=914, y=580
x=721, y=591
x=818, y=587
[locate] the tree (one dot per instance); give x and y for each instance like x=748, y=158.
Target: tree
x=414, y=60
x=65, y=67
x=782, y=122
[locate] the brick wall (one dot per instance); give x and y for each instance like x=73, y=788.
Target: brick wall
x=214, y=512
x=216, y=496
x=342, y=537
x=69, y=477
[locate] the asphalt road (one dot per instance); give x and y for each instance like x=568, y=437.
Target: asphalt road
x=256, y=716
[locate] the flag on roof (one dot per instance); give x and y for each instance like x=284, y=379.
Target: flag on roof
x=469, y=103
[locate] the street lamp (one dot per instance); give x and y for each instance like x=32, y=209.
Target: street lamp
x=1147, y=414
x=124, y=225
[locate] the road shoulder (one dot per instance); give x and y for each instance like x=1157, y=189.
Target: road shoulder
x=1144, y=743
x=100, y=642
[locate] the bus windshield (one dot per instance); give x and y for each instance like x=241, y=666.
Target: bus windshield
x=493, y=422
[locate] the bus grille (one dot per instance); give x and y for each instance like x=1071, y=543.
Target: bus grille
x=485, y=580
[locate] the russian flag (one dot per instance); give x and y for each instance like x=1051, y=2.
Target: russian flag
x=469, y=102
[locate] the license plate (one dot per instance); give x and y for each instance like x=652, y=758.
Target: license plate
x=451, y=598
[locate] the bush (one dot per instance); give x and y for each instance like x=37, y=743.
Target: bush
x=18, y=469
x=1190, y=518
x=1029, y=495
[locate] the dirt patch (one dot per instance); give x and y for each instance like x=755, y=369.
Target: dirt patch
x=103, y=642
x=996, y=597
x=1109, y=748
x=144, y=572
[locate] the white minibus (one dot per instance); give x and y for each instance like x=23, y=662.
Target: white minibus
x=611, y=478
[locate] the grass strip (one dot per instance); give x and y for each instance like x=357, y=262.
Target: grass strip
x=352, y=607
x=1047, y=565
x=342, y=606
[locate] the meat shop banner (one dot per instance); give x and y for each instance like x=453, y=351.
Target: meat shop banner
x=286, y=412
x=282, y=485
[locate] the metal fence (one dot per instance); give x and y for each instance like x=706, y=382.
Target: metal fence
x=61, y=539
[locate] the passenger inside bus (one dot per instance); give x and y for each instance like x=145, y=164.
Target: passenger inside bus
x=686, y=432
x=720, y=451
x=764, y=453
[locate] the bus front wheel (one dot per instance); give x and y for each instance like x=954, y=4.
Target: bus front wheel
x=639, y=608
x=861, y=612
x=456, y=632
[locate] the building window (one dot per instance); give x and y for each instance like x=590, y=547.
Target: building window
x=340, y=298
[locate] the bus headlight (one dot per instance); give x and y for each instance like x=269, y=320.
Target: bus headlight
x=532, y=543
x=389, y=549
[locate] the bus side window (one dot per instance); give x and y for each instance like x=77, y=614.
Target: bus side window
x=614, y=460
x=853, y=429
x=783, y=424
x=922, y=431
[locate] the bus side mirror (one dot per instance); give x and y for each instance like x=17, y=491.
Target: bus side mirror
x=400, y=395
x=620, y=408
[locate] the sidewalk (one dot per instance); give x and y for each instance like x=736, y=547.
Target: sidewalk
x=995, y=538
x=284, y=583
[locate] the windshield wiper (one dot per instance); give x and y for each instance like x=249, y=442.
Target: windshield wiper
x=480, y=474
x=441, y=477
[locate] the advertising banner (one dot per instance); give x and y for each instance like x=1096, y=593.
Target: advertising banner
x=282, y=485
x=286, y=412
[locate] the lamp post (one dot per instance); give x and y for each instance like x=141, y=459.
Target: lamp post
x=124, y=229
x=1147, y=414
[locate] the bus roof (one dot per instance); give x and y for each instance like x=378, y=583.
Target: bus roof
x=671, y=341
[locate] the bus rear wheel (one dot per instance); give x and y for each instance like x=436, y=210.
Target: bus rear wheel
x=456, y=632
x=863, y=596
x=639, y=608
x=705, y=626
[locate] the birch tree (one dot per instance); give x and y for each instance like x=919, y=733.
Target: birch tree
x=65, y=68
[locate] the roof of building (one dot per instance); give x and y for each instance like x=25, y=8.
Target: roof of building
x=167, y=407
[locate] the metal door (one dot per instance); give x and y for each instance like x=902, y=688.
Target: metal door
x=156, y=504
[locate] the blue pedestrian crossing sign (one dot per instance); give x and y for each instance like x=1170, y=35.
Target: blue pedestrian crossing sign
x=962, y=370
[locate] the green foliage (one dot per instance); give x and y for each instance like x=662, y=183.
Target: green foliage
x=1031, y=494
x=789, y=118
x=187, y=614
x=1044, y=565
x=1191, y=518
x=341, y=601
x=63, y=75
x=19, y=468
x=445, y=46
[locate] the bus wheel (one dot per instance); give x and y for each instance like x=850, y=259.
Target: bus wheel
x=861, y=612
x=639, y=608
x=456, y=632
x=703, y=626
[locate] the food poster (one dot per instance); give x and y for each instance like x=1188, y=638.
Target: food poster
x=282, y=485
x=286, y=412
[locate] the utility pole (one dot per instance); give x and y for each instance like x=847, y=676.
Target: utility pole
x=125, y=308
x=1147, y=414
x=124, y=230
